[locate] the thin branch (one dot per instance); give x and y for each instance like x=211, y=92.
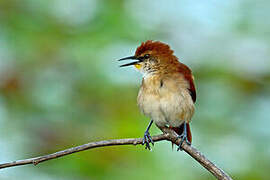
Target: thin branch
x=168, y=135
x=91, y=145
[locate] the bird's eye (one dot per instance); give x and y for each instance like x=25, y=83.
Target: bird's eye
x=146, y=56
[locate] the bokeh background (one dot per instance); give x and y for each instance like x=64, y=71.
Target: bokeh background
x=60, y=86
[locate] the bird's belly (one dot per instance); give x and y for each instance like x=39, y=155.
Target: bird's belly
x=149, y=105
x=176, y=108
x=167, y=109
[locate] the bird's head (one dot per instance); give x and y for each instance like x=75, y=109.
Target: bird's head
x=151, y=57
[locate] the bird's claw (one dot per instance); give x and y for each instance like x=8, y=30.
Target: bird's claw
x=183, y=138
x=147, y=139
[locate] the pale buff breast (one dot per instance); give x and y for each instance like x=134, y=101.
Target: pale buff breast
x=165, y=101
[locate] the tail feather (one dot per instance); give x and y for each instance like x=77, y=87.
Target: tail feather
x=189, y=136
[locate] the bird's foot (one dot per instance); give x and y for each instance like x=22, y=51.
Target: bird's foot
x=183, y=138
x=147, y=139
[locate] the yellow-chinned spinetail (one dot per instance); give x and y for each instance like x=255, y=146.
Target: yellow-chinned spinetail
x=167, y=93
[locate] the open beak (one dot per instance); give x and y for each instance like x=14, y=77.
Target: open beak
x=132, y=63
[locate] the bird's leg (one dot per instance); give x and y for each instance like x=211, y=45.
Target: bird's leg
x=147, y=138
x=183, y=137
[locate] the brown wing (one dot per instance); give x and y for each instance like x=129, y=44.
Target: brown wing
x=184, y=70
x=192, y=90
x=189, y=77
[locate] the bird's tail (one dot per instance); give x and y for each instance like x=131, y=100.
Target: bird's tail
x=179, y=130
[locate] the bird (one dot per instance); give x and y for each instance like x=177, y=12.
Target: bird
x=167, y=93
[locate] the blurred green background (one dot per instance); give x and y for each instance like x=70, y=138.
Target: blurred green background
x=60, y=86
